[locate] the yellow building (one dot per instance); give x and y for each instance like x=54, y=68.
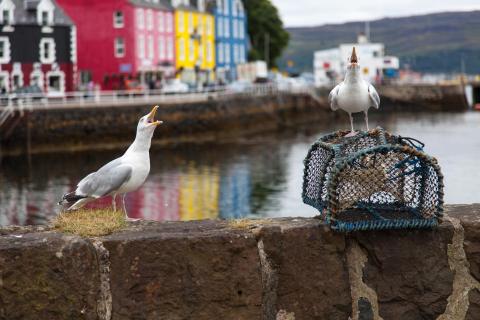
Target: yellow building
x=195, y=45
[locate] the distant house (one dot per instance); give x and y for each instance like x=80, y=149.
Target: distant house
x=195, y=41
x=37, y=47
x=231, y=37
x=123, y=44
x=329, y=65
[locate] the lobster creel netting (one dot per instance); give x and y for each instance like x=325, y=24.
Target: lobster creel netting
x=373, y=180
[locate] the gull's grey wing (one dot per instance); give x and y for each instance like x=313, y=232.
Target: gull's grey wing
x=332, y=97
x=106, y=180
x=374, y=98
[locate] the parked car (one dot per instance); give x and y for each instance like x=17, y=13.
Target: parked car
x=174, y=86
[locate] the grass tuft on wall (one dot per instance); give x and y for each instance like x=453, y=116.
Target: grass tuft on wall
x=90, y=223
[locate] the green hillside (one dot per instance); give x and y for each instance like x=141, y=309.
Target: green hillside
x=428, y=43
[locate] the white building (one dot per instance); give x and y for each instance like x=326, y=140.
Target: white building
x=329, y=65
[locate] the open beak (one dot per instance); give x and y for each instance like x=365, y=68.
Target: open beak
x=353, y=58
x=151, y=117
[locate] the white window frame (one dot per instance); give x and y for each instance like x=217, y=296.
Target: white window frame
x=225, y=6
x=118, y=19
x=161, y=21
x=17, y=71
x=6, y=76
x=226, y=27
x=37, y=74
x=227, y=53
x=169, y=23
x=170, y=48
x=149, y=18
x=141, y=46
x=209, y=52
x=150, y=46
x=7, y=5
x=52, y=51
x=181, y=21
x=209, y=24
x=234, y=8
x=241, y=29
x=234, y=28
x=7, y=51
x=48, y=7
x=190, y=22
x=140, y=17
x=220, y=26
x=191, y=50
x=161, y=48
x=119, y=47
x=181, y=49
x=60, y=74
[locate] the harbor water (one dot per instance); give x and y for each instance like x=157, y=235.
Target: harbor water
x=259, y=176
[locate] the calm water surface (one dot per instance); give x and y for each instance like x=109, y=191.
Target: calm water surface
x=253, y=177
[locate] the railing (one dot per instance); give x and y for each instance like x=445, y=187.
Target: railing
x=19, y=102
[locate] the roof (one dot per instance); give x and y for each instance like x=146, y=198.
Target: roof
x=22, y=16
x=160, y=5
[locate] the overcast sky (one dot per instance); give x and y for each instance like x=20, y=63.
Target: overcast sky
x=318, y=12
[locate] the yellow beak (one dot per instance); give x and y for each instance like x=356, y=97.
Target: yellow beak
x=151, y=117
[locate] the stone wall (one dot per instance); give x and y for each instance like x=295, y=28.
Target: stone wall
x=293, y=268
x=106, y=127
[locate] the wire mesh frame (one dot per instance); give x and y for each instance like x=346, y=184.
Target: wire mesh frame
x=334, y=170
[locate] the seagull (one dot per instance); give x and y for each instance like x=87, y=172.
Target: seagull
x=120, y=176
x=354, y=94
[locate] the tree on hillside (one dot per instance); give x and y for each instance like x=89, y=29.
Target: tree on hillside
x=265, y=27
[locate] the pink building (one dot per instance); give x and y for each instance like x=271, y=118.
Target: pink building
x=123, y=44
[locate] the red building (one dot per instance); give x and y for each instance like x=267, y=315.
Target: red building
x=123, y=44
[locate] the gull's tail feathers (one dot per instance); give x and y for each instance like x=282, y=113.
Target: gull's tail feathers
x=73, y=201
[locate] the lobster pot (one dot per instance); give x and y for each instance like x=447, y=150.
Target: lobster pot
x=373, y=180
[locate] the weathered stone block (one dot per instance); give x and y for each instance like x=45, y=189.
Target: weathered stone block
x=404, y=268
x=47, y=276
x=196, y=270
x=312, y=275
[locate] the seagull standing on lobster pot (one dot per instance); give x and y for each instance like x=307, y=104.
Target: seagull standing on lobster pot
x=354, y=94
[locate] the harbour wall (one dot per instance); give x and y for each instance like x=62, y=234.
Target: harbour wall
x=214, y=118
x=289, y=268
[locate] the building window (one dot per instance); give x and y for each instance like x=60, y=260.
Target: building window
x=150, y=47
x=220, y=52
x=209, y=26
x=141, y=46
x=47, y=50
x=170, y=49
x=241, y=29
x=225, y=6
x=191, y=49
x=36, y=79
x=56, y=81
x=219, y=26
x=227, y=53
x=161, y=48
x=119, y=47
x=226, y=28
x=149, y=20
x=190, y=22
x=4, y=50
x=118, y=21
x=240, y=8
x=234, y=8
x=209, y=52
x=169, y=27
x=140, y=19
x=17, y=79
x=161, y=22
x=181, y=49
x=234, y=28
x=45, y=17
x=181, y=22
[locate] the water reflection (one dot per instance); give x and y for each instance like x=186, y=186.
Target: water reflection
x=254, y=177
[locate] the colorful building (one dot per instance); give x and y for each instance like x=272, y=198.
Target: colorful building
x=37, y=47
x=231, y=38
x=195, y=42
x=123, y=44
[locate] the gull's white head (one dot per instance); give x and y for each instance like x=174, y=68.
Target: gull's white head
x=353, y=63
x=147, y=123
